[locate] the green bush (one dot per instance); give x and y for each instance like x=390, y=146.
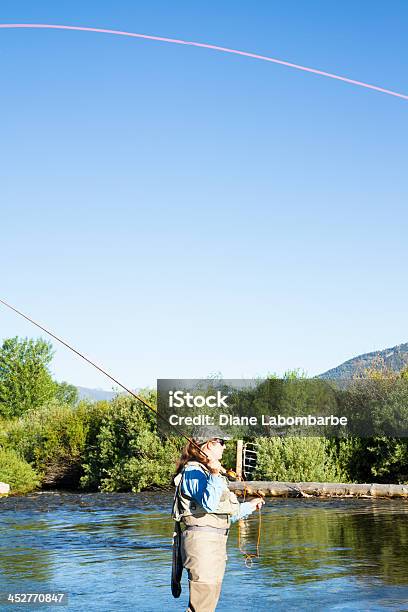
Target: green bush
x=17, y=473
x=96, y=446
x=52, y=439
x=379, y=397
x=125, y=453
x=296, y=459
x=377, y=459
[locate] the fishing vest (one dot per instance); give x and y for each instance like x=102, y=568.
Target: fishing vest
x=190, y=512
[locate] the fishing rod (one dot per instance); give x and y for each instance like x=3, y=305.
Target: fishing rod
x=248, y=557
x=230, y=473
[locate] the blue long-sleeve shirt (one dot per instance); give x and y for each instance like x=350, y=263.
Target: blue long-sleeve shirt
x=206, y=489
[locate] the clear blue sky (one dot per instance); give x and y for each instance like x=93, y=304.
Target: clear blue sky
x=175, y=212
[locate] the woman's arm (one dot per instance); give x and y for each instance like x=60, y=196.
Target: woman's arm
x=245, y=509
x=204, y=489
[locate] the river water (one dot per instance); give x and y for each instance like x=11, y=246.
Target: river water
x=113, y=552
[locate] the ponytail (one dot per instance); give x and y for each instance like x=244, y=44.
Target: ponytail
x=191, y=453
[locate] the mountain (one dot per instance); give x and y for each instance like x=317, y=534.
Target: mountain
x=100, y=394
x=95, y=394
x=395, y=358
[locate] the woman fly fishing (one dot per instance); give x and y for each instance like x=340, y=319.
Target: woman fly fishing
x=203, y=510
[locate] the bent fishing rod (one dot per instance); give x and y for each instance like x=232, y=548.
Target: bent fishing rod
x=247, y=556
x=230, y=473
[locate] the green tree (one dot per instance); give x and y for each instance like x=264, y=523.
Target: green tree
x=124, y=452
x=66, y=393
x=25, y=381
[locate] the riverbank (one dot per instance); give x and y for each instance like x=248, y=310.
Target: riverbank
x=115, y=446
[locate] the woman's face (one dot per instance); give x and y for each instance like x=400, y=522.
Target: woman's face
x=216, y=449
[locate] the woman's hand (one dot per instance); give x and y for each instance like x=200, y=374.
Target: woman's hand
x=257, y=503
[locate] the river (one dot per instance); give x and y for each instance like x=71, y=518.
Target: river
x=113, y=552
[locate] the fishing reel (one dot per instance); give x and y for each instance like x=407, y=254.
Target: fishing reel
x=230, y=474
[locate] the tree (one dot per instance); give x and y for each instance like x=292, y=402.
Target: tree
x=25, y=381
x=66, y=393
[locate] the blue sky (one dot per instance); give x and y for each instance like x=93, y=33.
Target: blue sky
x=175, y=212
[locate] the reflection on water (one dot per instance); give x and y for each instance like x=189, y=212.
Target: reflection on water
x=113, y=552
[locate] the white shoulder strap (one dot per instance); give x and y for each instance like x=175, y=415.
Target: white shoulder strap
x=177, y=479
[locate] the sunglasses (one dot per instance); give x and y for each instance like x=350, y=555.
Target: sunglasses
x=220, y=440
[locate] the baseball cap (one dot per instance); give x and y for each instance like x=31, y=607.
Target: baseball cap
x=204, y=434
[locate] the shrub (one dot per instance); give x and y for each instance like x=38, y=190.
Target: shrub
x=377, y=459
x=52, y=439
x=126, y=453
x=377, y=402
x=16, y=472
x=297, y=459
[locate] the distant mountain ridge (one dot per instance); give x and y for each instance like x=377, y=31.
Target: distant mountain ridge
x=95, y=394
x=394, y=358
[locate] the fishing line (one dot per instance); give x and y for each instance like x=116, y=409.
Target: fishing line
x=249, y=557
x=190, y=43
